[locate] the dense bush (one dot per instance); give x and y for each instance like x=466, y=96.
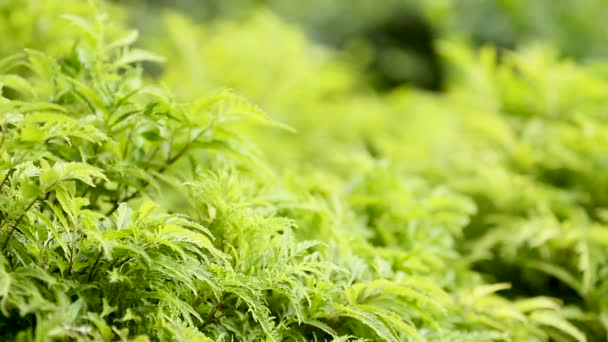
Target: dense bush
x=140, y=208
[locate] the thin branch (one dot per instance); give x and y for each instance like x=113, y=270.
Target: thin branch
x=126, y=147
x=170, y=161
x=124, y=261
x=211, y=317
x=19, y=219
x=72, y=248
x=116, y=264
x=5, y=179
x=125, y=199
x=3, y=132
x=92, y=271
x=182, y=151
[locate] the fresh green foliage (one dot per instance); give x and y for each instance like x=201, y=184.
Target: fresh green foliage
x=136, y=209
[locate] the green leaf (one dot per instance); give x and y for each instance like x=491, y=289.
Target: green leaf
x=17, y=83
x=87, y=94
x=127, y=40
x=556, y=271
x=11, y=62
x=137, y=55
x=553, y=320
x=81, y=23
x=32, y=133
x=369, y=319
x=322, y=326
x=5, y=286
x=230, y=106
x=152, y=135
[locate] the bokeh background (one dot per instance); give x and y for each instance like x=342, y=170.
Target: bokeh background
x=396, y=40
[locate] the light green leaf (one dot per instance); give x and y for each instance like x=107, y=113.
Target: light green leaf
x=138, y=55
x=551, y=319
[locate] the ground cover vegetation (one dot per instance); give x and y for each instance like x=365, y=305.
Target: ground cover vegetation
x=235, y=179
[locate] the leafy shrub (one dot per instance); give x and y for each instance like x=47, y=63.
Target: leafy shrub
x=128, y=213
x=528, y=118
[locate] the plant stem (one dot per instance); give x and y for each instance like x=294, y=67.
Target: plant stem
x=211, y=318
x=72, y=248
x=19, y=219
x=5, y=179
x=170, y=161
x=92, y=271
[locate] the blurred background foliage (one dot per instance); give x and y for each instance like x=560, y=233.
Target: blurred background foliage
x=33, y=24
x=396, y=39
